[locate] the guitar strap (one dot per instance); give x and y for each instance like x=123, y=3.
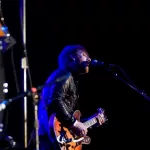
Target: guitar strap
x=60, y=79
x=77, y=93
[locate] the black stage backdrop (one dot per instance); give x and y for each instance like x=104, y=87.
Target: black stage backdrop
x=112, y=31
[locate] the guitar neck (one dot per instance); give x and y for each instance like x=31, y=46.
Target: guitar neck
x=90, y=122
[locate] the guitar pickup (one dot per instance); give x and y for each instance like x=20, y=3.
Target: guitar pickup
x=68, y=140
x=62, y=135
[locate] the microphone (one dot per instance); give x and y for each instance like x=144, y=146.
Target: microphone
x=95, y=62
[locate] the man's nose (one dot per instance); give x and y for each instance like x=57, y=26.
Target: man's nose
x=89, y=59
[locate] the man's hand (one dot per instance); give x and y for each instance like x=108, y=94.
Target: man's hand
x=80, y=126
x=101, y=118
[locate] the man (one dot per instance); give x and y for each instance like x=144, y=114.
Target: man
x=61, y=96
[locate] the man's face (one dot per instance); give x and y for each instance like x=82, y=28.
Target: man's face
x=83, y=60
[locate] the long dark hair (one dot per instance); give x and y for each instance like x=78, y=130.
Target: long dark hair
x=68, y=50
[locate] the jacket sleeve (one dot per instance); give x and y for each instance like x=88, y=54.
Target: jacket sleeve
x=57, y=96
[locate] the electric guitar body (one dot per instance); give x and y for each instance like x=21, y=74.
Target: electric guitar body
x=67, y=138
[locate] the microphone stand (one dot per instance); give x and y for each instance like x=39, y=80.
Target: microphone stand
x=108, y=69
x=35, y=97
x=32, y=92
x=24, y=66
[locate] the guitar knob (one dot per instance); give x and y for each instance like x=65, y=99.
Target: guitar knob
x=68, y=140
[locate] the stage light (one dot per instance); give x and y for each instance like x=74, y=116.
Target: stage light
x=5, y=85
x=5, y=90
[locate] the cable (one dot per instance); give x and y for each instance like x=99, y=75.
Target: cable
x=14, y=70
x=31, y=137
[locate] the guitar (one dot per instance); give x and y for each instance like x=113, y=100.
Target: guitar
x=66, y=138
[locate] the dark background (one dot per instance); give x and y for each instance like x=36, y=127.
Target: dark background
x=112, y=31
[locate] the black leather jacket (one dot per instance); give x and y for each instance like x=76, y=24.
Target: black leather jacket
x=61, y=97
